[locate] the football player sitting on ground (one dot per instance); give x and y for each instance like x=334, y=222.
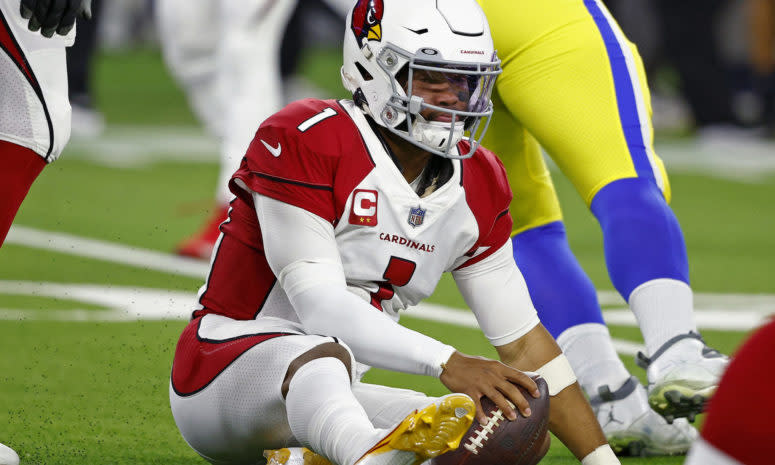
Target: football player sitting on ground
x=347, y=212
x=573, y=84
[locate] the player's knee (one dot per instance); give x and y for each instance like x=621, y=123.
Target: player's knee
x=329, y=349
x=641, y=235
x=633, y=196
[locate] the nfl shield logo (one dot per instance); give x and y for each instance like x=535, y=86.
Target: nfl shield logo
x=416, y=215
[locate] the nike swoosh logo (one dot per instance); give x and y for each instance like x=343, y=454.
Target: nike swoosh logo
x=417, y=31
x=273, y=150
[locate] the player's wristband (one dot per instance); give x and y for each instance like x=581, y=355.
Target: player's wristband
x=603, y=455
x=558, y=374
x=444, y=356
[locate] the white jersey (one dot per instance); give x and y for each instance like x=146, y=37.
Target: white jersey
x=322, y=209
x=34, y=104
x=323, y=157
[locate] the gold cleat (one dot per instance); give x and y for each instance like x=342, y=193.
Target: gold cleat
x=424, y=434
x=294, y=456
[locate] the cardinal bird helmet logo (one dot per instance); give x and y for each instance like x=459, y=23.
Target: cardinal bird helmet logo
x=367, y=20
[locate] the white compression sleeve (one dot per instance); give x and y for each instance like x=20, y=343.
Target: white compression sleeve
x=497, y=294
x=311, y=274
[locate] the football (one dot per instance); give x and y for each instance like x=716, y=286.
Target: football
x=523, y=441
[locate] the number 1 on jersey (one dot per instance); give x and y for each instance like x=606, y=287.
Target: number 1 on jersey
x=326, y=113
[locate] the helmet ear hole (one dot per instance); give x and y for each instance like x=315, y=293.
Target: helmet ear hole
x=360, y=100
x=364, y=73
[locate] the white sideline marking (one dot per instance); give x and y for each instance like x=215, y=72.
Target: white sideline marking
x=740, y=312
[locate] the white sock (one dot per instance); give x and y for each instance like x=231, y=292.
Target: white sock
x=325, y=416
x=593, y=358
x=664, y=309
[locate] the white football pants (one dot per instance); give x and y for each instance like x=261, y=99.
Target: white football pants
x=34, y=105
x=241, y=411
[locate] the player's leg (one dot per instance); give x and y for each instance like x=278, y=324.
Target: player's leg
x=385, y=405
x=249, y=57
x=562, y=293
x=250, y=88
x=325, y=414
x=19, y=167
x=739, y=427
x=264, y=389
x=188, y=36
x=644, y=245
x=34, y=110
x=225, y=386
x=573, y=314
x=87, y=121
x=599, y=133
x=245, y=82
x=537, y=97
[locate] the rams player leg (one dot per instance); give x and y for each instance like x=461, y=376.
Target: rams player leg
x=34, y=110
x=574, y=85
x=347, y=212
x=225, y=54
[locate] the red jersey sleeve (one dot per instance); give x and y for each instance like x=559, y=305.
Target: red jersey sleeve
x=488, y=195
x=294, y=157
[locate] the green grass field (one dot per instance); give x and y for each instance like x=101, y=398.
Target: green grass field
x=77, y=388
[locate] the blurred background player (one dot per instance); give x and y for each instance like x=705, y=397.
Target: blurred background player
x=226, y=55
x=34, y=110
x=86, y=121
x=738, y=429
x=706, y=61
x=762, y=20
x=273, y=56
x=574, y=85
x=688, y=34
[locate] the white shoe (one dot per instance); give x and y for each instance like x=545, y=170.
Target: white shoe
x=424, y=434
x=633, y=428
x=294, y=456
x=683, y=374
x=8, y=456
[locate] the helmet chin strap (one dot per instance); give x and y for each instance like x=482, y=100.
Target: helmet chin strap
x=436, y=134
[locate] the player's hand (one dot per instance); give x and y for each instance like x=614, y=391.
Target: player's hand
x=479, y=376
x=54, y=16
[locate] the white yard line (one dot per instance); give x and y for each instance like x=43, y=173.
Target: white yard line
x=142, y=145
x=740, y=312
x=735, y=159
x=107, y=251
